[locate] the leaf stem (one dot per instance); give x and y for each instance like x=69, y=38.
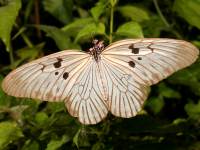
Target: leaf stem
x=27, y=40
x=11, y=57
x=165, y=20
x=37, y=18
x=111, y=23
x=160, y=13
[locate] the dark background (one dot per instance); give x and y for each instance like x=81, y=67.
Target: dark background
x=30, y=29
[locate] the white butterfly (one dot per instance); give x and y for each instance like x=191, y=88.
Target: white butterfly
x=112, y=79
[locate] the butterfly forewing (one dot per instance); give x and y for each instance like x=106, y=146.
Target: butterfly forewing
x=45, y=78
x=152, y=60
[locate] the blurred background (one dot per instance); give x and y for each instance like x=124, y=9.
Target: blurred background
x=29, y=29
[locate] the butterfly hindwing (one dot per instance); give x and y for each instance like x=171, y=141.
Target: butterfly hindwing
x=87, y=97
x=125, y=94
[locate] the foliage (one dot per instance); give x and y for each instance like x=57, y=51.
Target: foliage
x=32, y=29
x=7, y=19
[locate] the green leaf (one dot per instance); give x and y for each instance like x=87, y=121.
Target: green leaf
x=9, y=132
x=167, y=92
x=55, y=107
x=134, y=13
x=76, y=137
x=97, y=10
x=196, y=43
x=31, y=145
x=130, y=29
x=73, y=28
x=148, y=25
x=193, y=110
x=113, y=2
x=3, y=100
x=30, y=53
x=179, y=121
x=98, y=146
x=7, y=20
x=191, y=74
x=33, y=106
x=83, y=13
x=15, y=112
x=55, y=144
x=155, y=104
x=28, y=10
x=90, y=31
x=189, y=10
x=60, y=37
x=20, y=31
x=60, y=9
x=41, y=118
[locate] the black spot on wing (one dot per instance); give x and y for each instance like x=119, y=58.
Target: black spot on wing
x=65, y=75
x=43, y=66
x=139, y=58
x=134, y=50
x=131, y=46
x=58, y=63
x=131, y=63
x=56, y=73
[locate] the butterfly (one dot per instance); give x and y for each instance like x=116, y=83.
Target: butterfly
x=112, y=79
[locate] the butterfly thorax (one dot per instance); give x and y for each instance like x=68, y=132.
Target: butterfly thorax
x=96, y=50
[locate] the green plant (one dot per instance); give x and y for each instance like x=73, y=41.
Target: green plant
x=31, y=29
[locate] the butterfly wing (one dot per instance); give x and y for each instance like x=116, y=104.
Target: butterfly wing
x=68, y=76
x=125, y=95
x=118, y=82
x=152, y=60
x=46, y=78
x=87, y=98
x=130, y=66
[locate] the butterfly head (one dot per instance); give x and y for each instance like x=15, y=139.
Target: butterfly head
x=98, y=47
